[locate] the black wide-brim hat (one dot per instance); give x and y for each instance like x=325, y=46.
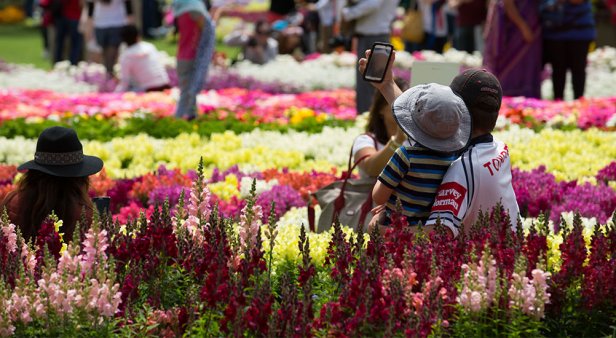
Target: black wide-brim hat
x=60, y=153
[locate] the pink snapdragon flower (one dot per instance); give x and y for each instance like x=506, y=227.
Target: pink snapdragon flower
x=478, y=284
x=8, y=231
x=530, y=296
x=250, y=221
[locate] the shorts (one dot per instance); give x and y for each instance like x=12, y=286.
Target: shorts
x=108, y=37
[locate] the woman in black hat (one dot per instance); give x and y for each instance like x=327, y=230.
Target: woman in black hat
x=56, y=180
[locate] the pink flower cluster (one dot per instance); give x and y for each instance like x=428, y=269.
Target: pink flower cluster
x=591, y=112
x=79, y=284
x=245, y=104
x=528, y=295
x=478, y=284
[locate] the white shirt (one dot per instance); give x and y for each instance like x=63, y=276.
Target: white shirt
x=140, y=68
x=476, y=181
x=374, y=17
x=438, y=28
x=365, y=141
x=109, y=15
x=327, y=13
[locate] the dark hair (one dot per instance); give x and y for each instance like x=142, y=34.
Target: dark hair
x=39, y=194
x=262, y=26
x=130, y=33
x=483, y=114
x=376, y=122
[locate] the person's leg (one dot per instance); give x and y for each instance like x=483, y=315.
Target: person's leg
x=556, y=56
x=185, y=103
x=76, y=42
x=577, y=53
x=61, y=32
x=439, y=44
x=466, y=38
x=45, y=36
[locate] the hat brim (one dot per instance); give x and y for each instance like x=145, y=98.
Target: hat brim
x=403, y=113
x=90, y=165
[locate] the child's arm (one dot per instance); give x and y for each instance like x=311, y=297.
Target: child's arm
x=381, y=193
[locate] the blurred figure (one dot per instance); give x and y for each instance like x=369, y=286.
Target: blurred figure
x=46, y=21
x=279, y=9
x=195, y=50
x=513, y=46
x=373, y=24
x=434, y=18
x=67, y=25
x=140, y=67
x=568, y=30
x=257, y=47
x=329, y=17
x=471, y=17
x=108, y=17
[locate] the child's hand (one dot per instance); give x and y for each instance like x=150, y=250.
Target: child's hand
x=389, y=74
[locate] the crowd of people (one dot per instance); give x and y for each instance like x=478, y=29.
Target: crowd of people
x=516, y=38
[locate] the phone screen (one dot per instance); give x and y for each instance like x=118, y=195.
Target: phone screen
x=378, y=61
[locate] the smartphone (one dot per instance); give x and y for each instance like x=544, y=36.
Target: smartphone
x=380, y=56
x=102, y=204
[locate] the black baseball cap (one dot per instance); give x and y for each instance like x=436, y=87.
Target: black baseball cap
x=475, y=83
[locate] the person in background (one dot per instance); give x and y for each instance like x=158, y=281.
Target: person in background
x=566, y=44
x=55, y=181
x=67, y=25
x=140, y=67
x=513, y=46
x=279, y=9
x=373, y=24
x=109, y=16
x=471, y=17
x=434, y=18
x=151, y=17
x=329, y=17
x=46, y=21
x=258, y=47
x=382, y=136
x=195, y=50
x=611, y=6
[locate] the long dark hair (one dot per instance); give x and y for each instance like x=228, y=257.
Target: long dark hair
x=39, y=194
x=376, y=122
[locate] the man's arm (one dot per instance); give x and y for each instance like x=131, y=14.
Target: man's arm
x=363, y=8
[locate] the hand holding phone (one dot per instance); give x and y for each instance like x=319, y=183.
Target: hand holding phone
x=378, y=62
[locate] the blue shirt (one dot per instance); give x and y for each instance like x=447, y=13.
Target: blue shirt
x=578, y=24
x=415, y=173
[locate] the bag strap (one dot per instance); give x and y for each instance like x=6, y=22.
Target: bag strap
x=339, y=201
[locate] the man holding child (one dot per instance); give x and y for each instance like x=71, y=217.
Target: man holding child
x=479, y=176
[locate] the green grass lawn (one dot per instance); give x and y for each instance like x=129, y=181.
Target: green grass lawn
x=24, y=45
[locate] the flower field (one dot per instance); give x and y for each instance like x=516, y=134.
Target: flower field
x=207, y=234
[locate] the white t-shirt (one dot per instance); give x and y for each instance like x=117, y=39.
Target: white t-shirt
x=140, y=68
x=109, y=15
x=364, y=141
x=438, y=27
x=476, y=181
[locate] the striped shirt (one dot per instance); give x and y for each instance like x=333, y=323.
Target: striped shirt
x=415, y=173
